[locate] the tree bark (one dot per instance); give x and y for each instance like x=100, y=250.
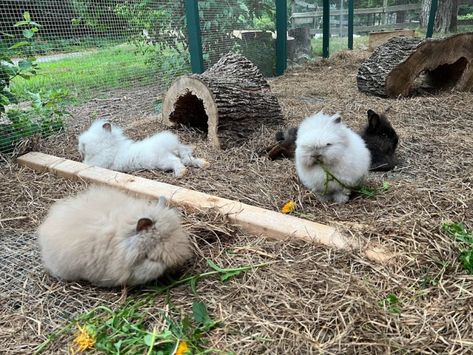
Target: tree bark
x=393, y=68
x=446, y=12
x=230, y=101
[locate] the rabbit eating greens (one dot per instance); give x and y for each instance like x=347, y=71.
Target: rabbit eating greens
x=107, y=147
x=330, y=157
x=109, y=238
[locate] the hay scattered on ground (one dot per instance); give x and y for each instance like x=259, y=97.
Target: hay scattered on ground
x=313, y=298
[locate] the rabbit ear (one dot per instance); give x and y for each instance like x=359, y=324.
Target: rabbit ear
x=373, y=118
x=107, y=126
x=163, y=201
x=143, y=224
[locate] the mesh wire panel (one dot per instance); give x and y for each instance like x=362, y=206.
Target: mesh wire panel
x=243, y=26
x=86, y=49
x=385, y=15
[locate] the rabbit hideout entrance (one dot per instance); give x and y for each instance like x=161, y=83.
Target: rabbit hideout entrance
x=229, y=102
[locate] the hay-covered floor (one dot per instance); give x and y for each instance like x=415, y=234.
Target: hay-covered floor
x=312, y=299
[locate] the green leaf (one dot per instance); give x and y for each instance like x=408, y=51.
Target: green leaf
x=19, y=44
x=230, y=274
x=27, y=16
x=459, y=231
x=149, y=339
x=466, y=258
x=25, y=64
x=21, y=23
x=200, y=313
x=28, y=33
x=391, y=303
x=214, y=266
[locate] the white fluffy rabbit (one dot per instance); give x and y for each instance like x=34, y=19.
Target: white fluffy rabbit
x=111, y=239
x=326, y=146
x=107, y=147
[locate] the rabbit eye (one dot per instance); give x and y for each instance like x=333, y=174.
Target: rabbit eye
x=329, y=144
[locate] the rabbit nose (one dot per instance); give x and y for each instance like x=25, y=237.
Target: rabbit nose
x=316, y=156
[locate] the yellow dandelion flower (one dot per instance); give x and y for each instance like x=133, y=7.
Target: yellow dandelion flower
x=84, y=340
x=288, y=207
x=183, y=348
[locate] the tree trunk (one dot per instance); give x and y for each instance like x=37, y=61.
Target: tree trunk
x=229, y=101
x=395, y=67
x=446, y=10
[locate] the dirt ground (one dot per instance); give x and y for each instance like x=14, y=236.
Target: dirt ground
x=311, y=299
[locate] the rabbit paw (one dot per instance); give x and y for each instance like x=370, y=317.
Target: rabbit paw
x=180, y=172
x=204, y=163
x=340, y=197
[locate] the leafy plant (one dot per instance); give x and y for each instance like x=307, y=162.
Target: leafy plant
x=465, y=237
x=391, y=303
x=126, y=329
x=368, y=191
x=46, y=113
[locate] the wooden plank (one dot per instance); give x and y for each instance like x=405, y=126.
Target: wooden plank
x=254, y=220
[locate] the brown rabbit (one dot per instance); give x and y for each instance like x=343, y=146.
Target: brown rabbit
x=111, y=239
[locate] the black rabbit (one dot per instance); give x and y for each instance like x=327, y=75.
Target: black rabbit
x=381, y=139
x=285, y=145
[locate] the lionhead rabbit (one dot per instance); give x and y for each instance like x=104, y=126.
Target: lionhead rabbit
x=381, y=139
x=111, y=239
x=107, y=147
x=330, y=157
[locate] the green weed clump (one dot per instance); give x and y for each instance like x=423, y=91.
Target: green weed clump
x=465, y=238
x=128, y=329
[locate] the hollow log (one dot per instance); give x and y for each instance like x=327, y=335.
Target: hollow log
x=403, y=65
x=229, y=101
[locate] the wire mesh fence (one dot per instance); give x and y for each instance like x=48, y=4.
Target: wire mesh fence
x=246, y=27
x=56, y=52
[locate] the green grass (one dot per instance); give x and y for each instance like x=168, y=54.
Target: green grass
x=90, y=73
x=465, y=239
x=337, y=44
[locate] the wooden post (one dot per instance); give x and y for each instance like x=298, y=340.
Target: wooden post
x=254, y=220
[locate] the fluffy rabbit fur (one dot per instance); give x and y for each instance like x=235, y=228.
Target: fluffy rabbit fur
x=111, y=239
x=381, y=139
x=325, y=140
x=107, y=147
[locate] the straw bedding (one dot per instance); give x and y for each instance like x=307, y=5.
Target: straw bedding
x=312, y=299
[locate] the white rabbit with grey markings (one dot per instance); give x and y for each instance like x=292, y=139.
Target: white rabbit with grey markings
x=110, y=238
x=107, y=146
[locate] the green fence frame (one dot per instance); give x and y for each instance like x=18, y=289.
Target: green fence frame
x=281, y=37
x=432, y=14
x=326, y=29
x=194, y=35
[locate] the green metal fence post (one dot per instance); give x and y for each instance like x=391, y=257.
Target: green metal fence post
x=281, y=39
x=326, y=29
x=433, y=12
x=351, y=8
x=193, y=31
